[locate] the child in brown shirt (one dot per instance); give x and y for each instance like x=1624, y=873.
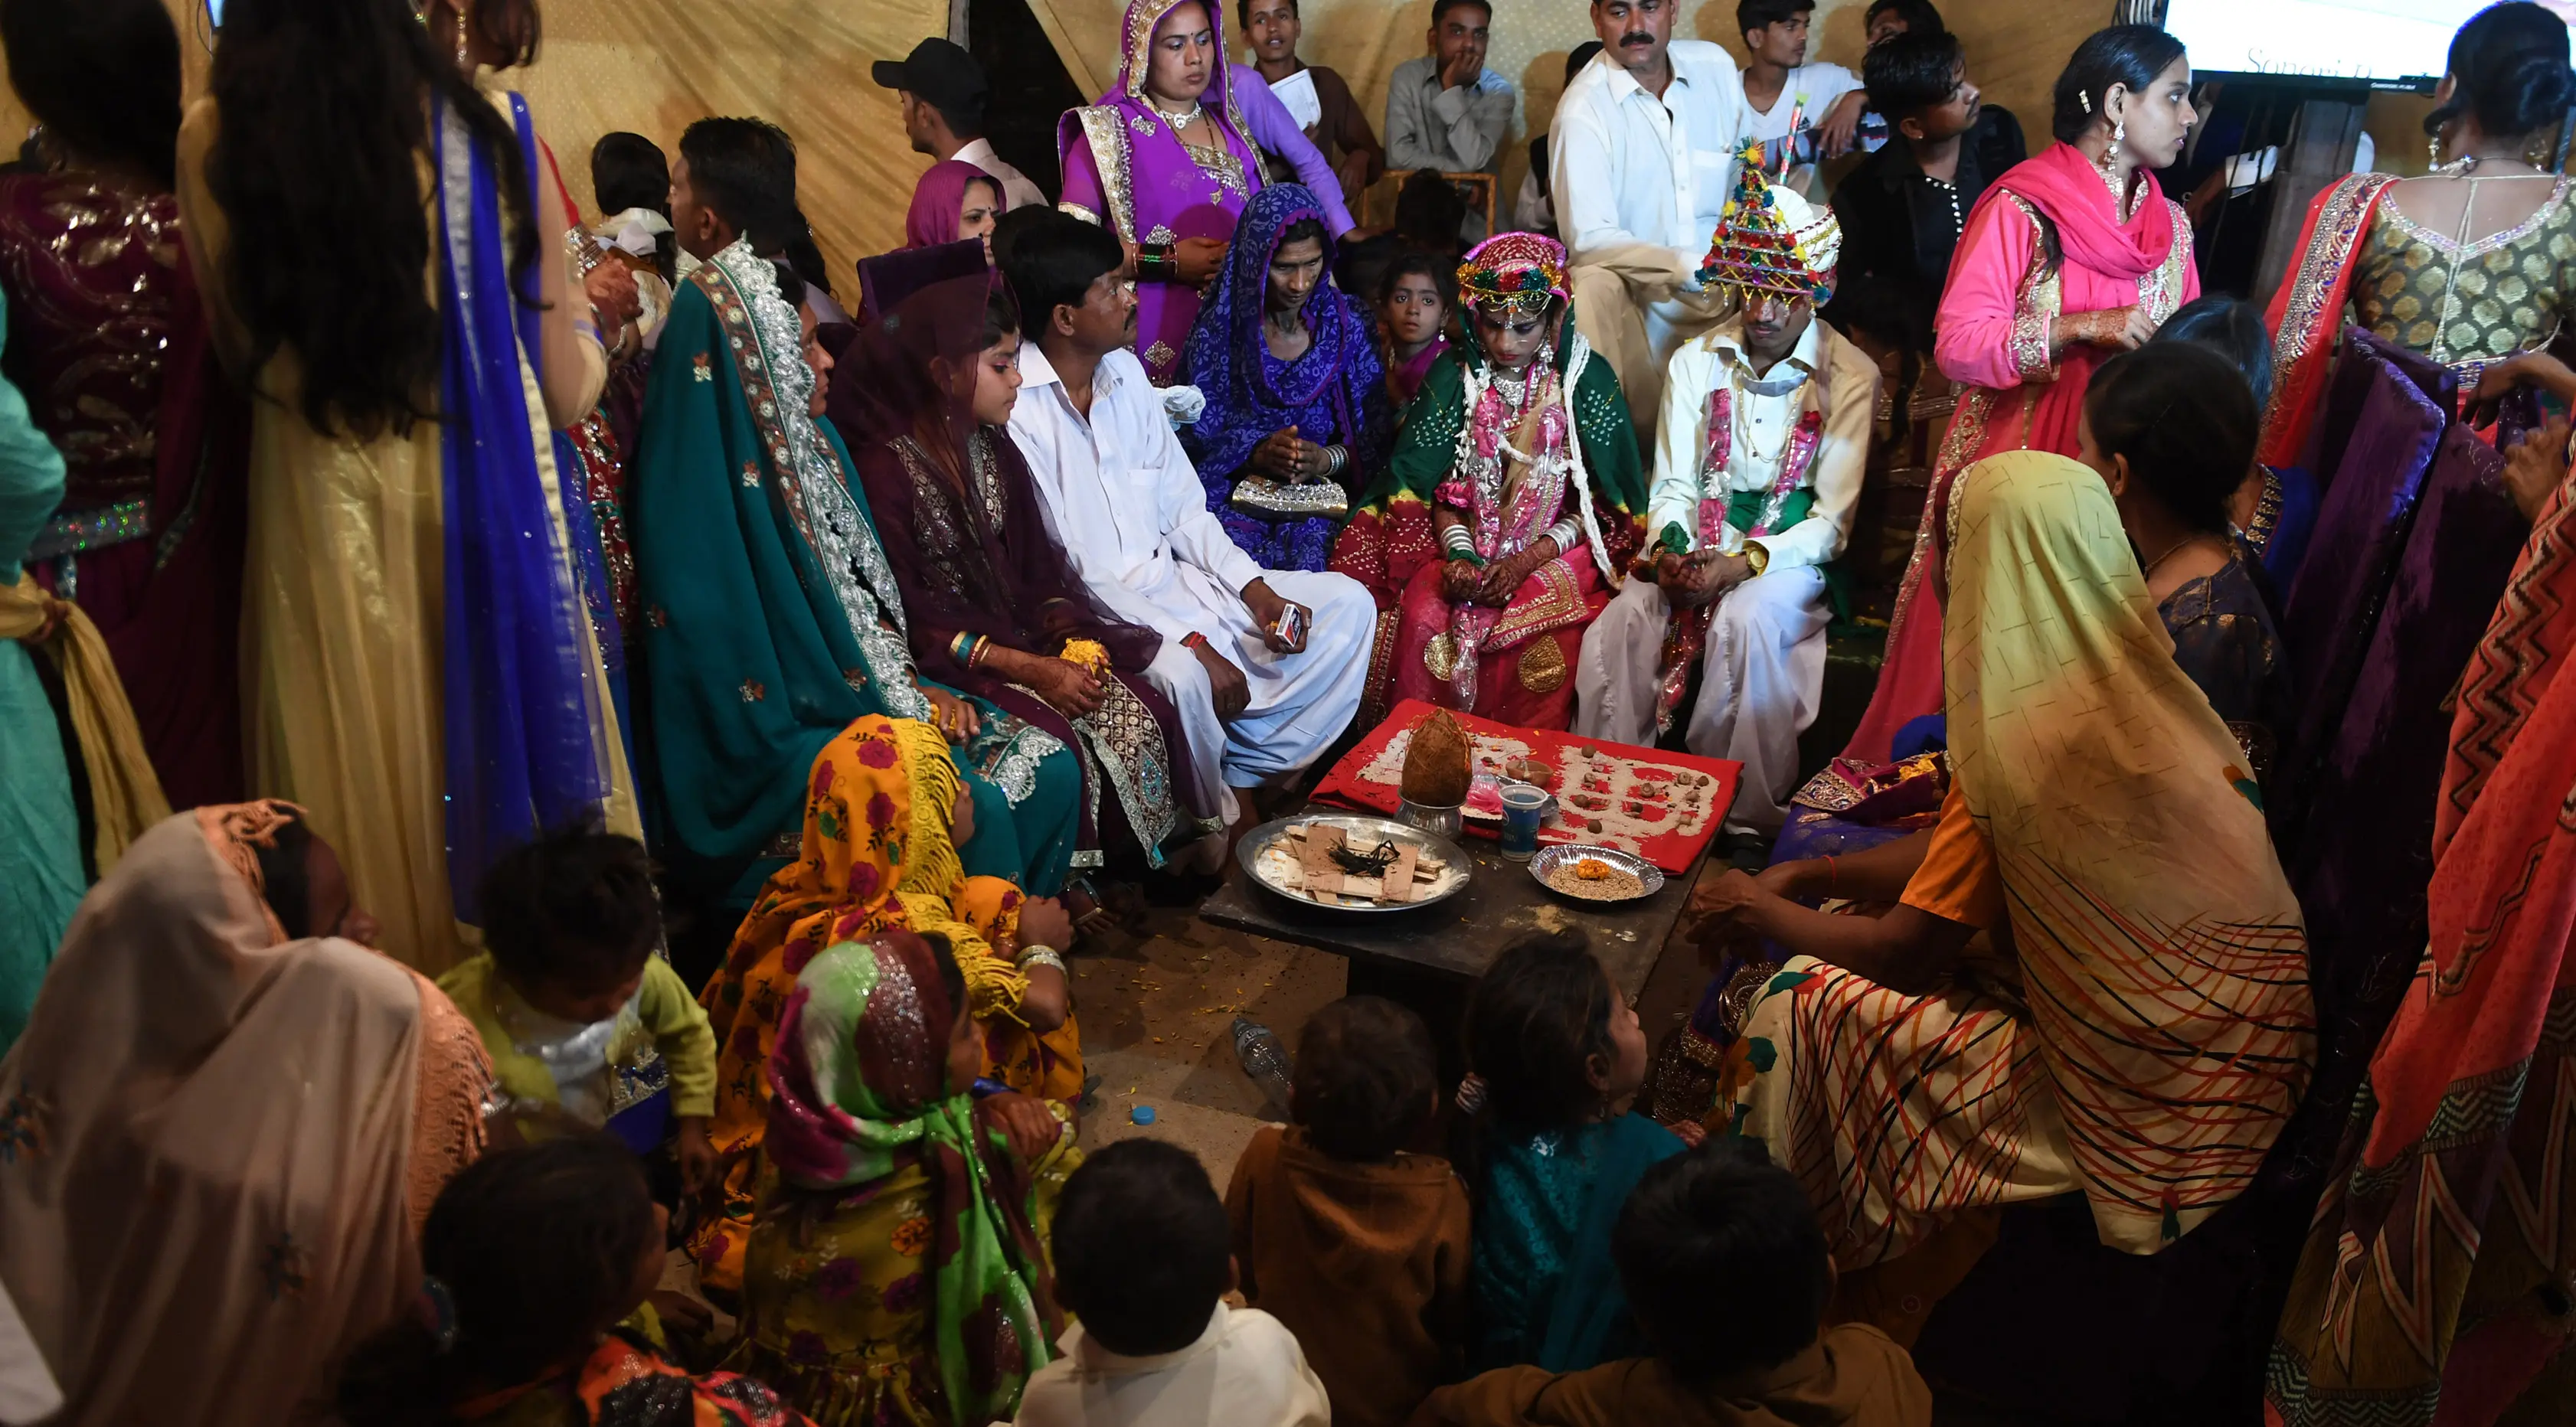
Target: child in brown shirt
x=1359, y=1247
x=1728, y=1275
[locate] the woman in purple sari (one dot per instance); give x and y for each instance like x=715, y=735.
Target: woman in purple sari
x=993, y=607
x=1296, y=415
x=1168, y=163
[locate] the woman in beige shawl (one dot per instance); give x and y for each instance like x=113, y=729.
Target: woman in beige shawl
x=216, y=1144
x=2136, y=1025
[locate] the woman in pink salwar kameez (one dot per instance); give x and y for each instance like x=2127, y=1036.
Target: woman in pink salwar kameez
x=2069, y=259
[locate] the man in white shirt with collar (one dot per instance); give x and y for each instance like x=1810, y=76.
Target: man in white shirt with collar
x=1643, y=152
x=1265, y=666
x=944, y=91
x=1765, y=430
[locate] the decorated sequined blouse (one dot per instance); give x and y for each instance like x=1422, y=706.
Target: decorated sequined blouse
x=92, y=274
x=2484, y=301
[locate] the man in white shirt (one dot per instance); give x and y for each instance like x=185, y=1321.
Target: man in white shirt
x=943, y=92
x=1265, y=666
x=1643, y=152
x=1802, y=114
x=1765, y=431
x=1143, y=1259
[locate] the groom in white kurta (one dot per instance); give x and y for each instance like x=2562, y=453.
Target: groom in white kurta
x=1745, y=519
x=1124, y=501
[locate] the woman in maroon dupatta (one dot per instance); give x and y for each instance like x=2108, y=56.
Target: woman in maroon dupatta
x=953, y=202
x=107, y=339
x=2067, y=260
x=994, y=609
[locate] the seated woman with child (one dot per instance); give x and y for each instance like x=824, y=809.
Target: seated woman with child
x=1511, y=507
x=883, y=820
x=2093, y=974
x=1296, y=414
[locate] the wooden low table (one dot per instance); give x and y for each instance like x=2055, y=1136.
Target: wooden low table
x=1428, y=958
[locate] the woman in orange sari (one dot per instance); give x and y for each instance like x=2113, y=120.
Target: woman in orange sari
x=882, y=824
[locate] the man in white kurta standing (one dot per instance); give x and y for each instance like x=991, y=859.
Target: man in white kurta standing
x=1265, y=666
x=1643, y=152
x=1765, y=428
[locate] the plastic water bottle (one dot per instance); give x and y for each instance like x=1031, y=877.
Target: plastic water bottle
x=1264, y=1059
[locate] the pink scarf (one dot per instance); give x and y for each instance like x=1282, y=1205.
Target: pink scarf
x=2065, y=186
x=937, y=200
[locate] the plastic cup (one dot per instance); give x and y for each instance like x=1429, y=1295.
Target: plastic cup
x=1523, y=806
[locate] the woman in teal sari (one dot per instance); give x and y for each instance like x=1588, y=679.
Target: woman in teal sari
x=771, y=620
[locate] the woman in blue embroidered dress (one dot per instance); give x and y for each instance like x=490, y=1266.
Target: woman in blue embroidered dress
x=1297, y=414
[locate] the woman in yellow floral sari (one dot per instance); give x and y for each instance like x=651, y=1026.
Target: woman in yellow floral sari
x=882, y=824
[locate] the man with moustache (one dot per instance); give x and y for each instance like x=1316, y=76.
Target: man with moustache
x=1765, y=427
x=1643, y=151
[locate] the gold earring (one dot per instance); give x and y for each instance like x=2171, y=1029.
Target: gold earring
x=464, y=51
x=2119, y=132
x=2433, y=148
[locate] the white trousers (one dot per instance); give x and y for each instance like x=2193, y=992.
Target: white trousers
x=1300, y=702
x=1762, y=675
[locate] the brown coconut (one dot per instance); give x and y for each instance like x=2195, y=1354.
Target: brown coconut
x=1435, y=766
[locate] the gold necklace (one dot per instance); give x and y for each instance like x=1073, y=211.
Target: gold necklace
x=2170, y=551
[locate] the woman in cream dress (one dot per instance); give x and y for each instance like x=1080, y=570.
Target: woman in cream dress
x=417, y=670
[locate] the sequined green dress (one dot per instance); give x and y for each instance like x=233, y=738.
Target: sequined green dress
x=2465, y=304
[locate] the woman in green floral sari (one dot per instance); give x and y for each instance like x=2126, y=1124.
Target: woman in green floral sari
x=895, y=1273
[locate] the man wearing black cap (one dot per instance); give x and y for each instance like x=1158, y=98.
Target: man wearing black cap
x=943, y=92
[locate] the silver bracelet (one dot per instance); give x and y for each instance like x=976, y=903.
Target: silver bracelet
x=1336, y=458
x=1041, y=956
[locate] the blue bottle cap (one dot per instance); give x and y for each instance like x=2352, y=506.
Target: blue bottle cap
x=1141, y=1115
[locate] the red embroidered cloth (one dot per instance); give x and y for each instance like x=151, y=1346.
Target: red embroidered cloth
x=1665, y=828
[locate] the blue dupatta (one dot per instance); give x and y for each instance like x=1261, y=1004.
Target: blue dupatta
x=522, y=722
x=1328, y=393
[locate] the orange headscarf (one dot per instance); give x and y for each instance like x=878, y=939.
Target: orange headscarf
x=876, y=856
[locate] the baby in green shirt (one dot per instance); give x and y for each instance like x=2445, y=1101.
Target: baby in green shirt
x=584, y=1021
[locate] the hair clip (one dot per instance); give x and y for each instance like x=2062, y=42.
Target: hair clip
x=2085, y=100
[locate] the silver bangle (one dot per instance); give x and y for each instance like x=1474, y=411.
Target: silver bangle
x=1336, y=458
x=1041, y=956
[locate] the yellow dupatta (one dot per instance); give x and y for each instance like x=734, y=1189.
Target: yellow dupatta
x=876, y=855
x=2163, y=954
x=125, y=795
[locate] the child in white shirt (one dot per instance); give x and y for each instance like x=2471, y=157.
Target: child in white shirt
x=1142, y=1258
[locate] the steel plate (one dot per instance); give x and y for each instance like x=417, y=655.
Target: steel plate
x=1628, y=862
x=1366, y=830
